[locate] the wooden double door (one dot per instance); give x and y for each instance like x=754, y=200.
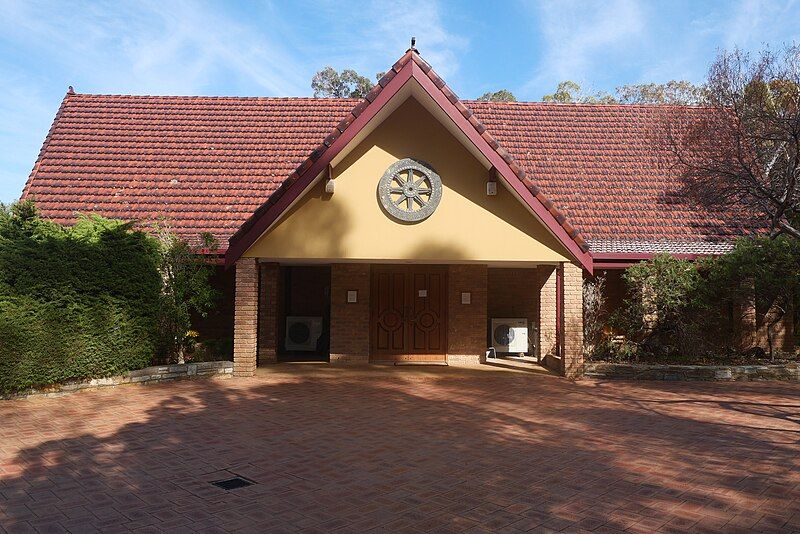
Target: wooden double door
x=408, y=313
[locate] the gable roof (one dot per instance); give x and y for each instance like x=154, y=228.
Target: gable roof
x=207, y=163
x=410, y=66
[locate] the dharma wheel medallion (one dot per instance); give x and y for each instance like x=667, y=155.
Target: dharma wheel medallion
x=410, y=190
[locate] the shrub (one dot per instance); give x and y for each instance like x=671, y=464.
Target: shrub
x=92, y=300
x=46, y=342
x=594, y=304
x=765, y=272
x=682, y=310
x=660, y=303
x=186, y=289
x=75, y=302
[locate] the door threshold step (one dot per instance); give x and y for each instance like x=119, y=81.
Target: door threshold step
x=417, y=364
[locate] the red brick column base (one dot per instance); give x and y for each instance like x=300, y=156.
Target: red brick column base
x=245, y=321
x=568, y=361
x=547, y=314
x=572, y=352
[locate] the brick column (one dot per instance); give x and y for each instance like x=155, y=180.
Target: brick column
x=245, y=321
x=268, y=301
x=350, y=320
x=467, y=323
x=744, y=317
x=547, y=313
x=572, y=352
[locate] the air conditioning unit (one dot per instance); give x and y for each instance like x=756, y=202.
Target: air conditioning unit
x=510, y=335
x=302, y=333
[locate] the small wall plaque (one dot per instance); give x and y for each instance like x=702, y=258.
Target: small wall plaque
x=466, y=298
x=352, y=296
x=422, y=293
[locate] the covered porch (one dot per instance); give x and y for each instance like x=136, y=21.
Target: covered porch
x=365, y=312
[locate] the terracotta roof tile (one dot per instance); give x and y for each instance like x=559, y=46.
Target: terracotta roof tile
x=207, y=163
x=602, y=167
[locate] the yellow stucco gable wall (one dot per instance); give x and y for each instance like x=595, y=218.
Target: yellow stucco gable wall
x=468, y=225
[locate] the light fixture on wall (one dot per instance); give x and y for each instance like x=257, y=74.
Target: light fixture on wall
x=491, y=184
x=330, y=184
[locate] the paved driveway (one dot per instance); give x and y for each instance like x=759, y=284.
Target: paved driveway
x=404, y=449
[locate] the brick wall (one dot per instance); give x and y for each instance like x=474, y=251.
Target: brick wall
x=514, y=293
x=268, y=311
x=750, y=327
x=245, y=330
x=467, y=323
x=573, y=321
x=547, y=311
x=350, y=321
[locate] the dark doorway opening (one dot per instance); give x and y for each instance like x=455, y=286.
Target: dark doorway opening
x=305, y=313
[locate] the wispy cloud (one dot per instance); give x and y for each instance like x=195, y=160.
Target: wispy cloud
x=578, y=35
x=172, y=47
x=274, y=48
x=151, y=47
x=396, y=22
x=190, y=47
x=751, y=23
x=375, y=34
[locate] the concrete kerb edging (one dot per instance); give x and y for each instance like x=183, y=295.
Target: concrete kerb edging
x=156, y=373
x=724, y=373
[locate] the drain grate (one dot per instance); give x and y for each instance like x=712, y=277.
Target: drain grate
x=233, y=483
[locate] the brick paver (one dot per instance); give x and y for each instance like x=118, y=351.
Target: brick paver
x=404, y=449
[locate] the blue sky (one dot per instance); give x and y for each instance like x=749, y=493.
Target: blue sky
x=265, y=48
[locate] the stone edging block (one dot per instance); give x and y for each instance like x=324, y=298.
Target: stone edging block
x=156, y=373
x=732, y=373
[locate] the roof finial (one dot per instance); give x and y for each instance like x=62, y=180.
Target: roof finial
x=413, y=45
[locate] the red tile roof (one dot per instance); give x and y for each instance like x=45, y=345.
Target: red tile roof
x=207, y=163
x=203, y=163
x=609, y=168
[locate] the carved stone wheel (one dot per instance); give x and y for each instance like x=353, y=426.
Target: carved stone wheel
x=410, y=190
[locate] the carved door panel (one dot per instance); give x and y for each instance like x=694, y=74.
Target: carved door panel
x=409, y=313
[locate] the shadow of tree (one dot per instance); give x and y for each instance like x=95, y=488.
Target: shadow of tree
x=423, y=450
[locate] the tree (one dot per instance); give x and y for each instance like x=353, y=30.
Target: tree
x=660, y=309
x=503, y=95
x=744, y=156
x=764, y=272
x=330, y=83
x=678, y=92
x=594, y=312
x=186, y=289
x=569, y=92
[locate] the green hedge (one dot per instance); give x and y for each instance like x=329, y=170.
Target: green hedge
x=75, y=302
x=47, y=342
